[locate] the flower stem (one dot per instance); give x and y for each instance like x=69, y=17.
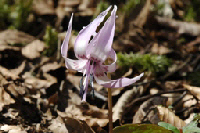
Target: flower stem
x=110, y=107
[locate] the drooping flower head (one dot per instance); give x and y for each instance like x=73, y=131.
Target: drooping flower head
x=91, y=54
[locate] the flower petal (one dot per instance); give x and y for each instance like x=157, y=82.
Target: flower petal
x=111, y=67
x=78, y=65
x=83, y=38
x=103, y=80
x=100, y=45
x=64, y=47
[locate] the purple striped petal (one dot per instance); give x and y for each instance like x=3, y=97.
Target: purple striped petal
x=64, y=47
x=83, y=38
x=103, y=80
x=100, y=45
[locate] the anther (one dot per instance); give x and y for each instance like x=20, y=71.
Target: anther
x=81, y=87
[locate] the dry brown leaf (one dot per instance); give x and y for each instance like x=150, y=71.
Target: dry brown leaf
x=128, y=96
x=36, y=83
x=70, y=125
x=34, y=49
x=77, y=126
x=5, y=98
x=145, y=109
x=7, y=47
x=166, y=115
x=8, y=74
x=159, y=49
x=171, y=85
x=44, y=7
x=154, y=91
x=58, y=126
x=50, y=66
x=93, y=111
x=172, y=98
x=180, y=101
x=19, y=70
x=12, y=129
x=189, y=101
x=15, y=37
x=194, y=90
x=85, y=8
x=92, y=115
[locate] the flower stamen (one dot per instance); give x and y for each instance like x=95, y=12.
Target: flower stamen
x=81, y=87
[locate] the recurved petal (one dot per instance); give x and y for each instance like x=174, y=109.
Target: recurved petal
x=82, y=40
x=100, y=45
x=78, y=65
x=103, y=80
x=111, y=67
x=64, y=47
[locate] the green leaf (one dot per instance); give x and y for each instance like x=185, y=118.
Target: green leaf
x=191, y=127
x=140, y=128
x=169, y=127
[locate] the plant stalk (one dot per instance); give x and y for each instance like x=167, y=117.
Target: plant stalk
x=110, y=107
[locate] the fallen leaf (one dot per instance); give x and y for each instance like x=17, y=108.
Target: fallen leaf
x=161, y=50
x=194, y=90
x=166, y=115
x=15, y=37
x=34, y=49
x=12, y=129
x=120, y=106
x=58, y=126
x=44, y=7
x=145, y=109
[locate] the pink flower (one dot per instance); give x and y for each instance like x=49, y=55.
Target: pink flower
x=92, y=53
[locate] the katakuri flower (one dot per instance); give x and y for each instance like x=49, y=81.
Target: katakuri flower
x=92, y=53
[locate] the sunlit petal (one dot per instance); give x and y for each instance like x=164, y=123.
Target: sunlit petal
x=64, y=47
x=100, y=45
x=103, y=80
x=82, y=40
x=78, y=65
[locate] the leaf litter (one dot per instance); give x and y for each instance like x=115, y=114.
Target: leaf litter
x=38, y=94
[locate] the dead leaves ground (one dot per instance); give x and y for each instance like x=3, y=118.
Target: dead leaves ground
x=38, y=94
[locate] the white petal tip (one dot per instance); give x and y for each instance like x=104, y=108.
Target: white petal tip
x=142, y=74
x=108, y=8
x=115, y=7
